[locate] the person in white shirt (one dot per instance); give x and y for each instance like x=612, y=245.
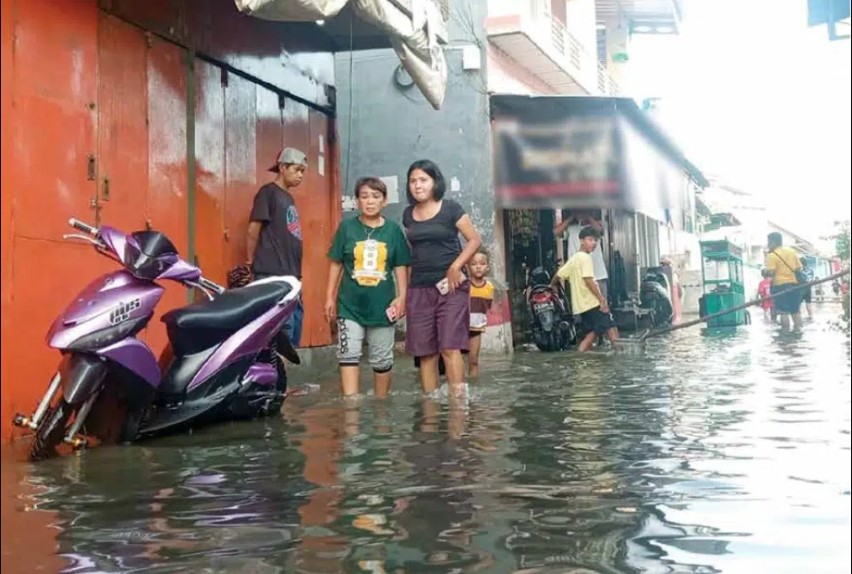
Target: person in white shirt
x=569, y=231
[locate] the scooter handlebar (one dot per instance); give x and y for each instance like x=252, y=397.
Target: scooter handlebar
x=208, y=284
x=84, y=227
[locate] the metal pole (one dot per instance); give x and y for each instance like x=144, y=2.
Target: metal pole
x=745, y=305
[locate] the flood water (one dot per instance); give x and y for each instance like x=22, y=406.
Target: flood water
x=712, y=453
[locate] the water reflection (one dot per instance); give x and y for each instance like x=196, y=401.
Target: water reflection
x=714, y=453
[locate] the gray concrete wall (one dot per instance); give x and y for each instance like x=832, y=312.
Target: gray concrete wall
x=384, y=127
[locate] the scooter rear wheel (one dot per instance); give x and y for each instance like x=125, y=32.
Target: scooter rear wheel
x=551, y=341
x=51, y=431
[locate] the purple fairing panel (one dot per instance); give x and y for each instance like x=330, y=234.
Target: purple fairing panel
x=262, y=374
x=180, y=271
x=105, y=302
x=249, y=340
x=135, y=356
x=115, y=240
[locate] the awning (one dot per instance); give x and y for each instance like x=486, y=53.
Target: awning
x=413, y=33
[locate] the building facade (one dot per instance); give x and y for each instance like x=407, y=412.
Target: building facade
x=741, y=217
x=163, y=114
x=498, y=49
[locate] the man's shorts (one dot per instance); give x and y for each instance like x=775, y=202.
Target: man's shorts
x=787, y=303
x=596, y=321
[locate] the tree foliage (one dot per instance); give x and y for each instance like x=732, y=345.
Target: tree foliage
x=841, y=240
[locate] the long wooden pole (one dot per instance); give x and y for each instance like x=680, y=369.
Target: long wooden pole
x=744, y=305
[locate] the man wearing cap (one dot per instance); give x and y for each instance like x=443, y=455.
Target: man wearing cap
x=274, y=245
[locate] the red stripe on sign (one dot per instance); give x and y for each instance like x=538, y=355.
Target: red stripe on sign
x=528, y=190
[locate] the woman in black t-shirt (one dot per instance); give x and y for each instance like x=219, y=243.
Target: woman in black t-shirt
x=437, y=302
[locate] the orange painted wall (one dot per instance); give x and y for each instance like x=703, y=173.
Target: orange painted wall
x=76, y=82
x=6, y=228
x=142, y=121
x=48, y=132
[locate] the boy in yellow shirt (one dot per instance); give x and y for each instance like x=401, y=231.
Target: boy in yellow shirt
x=587, y=301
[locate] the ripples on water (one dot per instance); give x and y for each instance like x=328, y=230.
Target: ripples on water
x=723, y=453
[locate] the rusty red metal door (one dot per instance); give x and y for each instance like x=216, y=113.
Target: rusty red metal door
x=140, y=167
x=167, y=170
x=308, y=130
x=211, y=235
x=47, y=139
x=121, y=164
x=7, y=32
x=321, y=218
x=240, y=162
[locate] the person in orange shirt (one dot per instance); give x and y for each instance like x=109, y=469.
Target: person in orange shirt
x=782, y=263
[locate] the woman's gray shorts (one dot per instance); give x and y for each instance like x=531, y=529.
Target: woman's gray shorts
x=350, y=341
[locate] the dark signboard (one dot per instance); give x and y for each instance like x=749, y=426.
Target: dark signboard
x=581, y=152
x=553, y=153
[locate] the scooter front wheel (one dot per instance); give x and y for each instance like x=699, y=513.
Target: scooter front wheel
x=130, y=427
x=51, y=431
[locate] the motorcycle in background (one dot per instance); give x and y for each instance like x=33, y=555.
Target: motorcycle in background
x=552, y=324
x=655, y=294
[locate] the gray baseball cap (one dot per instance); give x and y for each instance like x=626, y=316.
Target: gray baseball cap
x=289, y=155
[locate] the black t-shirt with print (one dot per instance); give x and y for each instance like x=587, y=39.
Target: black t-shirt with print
x=434, y=243
x=279, y=247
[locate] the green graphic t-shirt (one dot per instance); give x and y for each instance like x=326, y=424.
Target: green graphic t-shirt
x=369, y=256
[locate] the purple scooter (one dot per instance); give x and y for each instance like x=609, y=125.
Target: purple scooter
x=223, y=364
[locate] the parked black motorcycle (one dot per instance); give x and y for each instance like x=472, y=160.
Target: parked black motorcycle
x=553, y=327
x=655, y=294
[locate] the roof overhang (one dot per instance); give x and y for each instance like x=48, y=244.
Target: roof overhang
x=414, y=29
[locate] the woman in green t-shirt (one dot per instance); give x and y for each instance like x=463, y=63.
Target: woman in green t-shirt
x=367, y=283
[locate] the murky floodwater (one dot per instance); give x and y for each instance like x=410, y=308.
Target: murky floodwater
x=725, y=453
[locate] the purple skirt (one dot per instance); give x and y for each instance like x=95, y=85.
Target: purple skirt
x=436, y=322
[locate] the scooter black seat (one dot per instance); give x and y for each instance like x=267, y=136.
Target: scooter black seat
x=230, y=311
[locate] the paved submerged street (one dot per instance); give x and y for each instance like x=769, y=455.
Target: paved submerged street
x=188, y=185
x=712, y=453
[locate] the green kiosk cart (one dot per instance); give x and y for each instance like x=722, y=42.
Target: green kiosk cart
x=722, y=274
